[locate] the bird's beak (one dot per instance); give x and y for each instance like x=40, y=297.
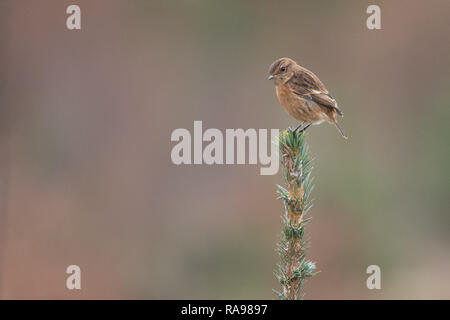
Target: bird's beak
x=270, y=77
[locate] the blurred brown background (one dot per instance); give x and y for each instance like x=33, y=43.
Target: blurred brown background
x=85, y=170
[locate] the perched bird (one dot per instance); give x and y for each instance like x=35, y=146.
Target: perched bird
x=303, y=95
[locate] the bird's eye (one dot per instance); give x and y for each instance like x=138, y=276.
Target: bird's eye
x=283, y=69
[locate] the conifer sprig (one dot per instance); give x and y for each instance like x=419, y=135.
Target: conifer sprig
x=294, y=268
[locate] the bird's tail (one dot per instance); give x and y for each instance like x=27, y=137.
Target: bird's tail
x=340, y=130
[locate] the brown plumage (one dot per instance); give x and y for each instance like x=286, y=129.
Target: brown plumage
x=303, y=95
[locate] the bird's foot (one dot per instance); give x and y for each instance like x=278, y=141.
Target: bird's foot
x=298, y=127
x=304, y=128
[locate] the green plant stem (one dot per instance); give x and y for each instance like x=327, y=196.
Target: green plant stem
x=294, y=268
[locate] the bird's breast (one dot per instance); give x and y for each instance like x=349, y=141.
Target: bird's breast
x=285, y=95
x=291, y=102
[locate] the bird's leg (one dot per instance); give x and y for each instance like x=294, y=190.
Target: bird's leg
x=301, y=123
x=295, y=130
x=303, y=129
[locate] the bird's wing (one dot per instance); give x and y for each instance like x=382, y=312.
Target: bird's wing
x=325, y=99
x=308, y=86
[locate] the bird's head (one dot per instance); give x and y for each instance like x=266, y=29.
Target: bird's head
x=281, y=70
